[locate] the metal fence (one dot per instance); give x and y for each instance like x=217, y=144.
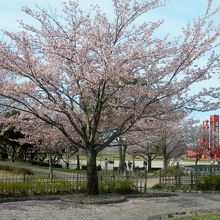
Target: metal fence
x=140, y=180
x=178, y=180
x=43, y=178
x=187, y=178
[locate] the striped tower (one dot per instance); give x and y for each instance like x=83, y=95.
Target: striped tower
x=214, y=137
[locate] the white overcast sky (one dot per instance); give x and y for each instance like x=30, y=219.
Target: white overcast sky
x=175, y=14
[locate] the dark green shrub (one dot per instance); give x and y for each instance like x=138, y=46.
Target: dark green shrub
x=208, y=183
x=3, y=156
x=29, y=189
x=119, y=186
x=141, y=173
x=84, y=167
x=159, y=186
x=107, y=186
x=124, y=187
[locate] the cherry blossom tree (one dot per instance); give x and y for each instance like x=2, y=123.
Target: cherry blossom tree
x=146, y=150
x=43, y=136
x=139, y=142
x=9, y=145
x=171, y=144
x=68, y=153
x=173, y=138
x=199, y=142
x=102, y=75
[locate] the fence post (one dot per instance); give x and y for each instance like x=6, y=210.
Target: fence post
x=176, y=178
x=113, y=176
x=160, y=177
x=191, y=180
x=77, y=180
x=145, y=179
x=210, y=170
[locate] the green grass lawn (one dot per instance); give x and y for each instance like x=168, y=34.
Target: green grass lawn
x=28, y=165
x=100, y=157
x=115, y=156
x=211, y=216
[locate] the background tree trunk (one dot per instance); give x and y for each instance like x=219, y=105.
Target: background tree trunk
x=50, y=167
x=165, y=162
x=77, y=162
x=13, y=154
x=197, y=160
x=149, y=160
x=67, y=165
x=92, y=178
x=122, y=153
x=133, y=163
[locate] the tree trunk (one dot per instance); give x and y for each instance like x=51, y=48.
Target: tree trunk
x=13, y=155
x=149, y=156
x=165, y=162
x=133, y=163
x=32, y=155
x=50, y=167
x=166, y=157
x=77, y=162
x=122, y=153
x=67, y=165
x=67, y=160
x=92, y=178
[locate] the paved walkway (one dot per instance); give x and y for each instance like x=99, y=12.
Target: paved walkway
x=133, y=209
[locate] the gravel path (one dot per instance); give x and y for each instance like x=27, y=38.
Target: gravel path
x=133, y=209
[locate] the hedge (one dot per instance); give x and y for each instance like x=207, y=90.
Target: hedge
x=20, y=189
x=208, y=183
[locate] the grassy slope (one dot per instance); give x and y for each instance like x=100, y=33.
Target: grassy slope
x=212, y=216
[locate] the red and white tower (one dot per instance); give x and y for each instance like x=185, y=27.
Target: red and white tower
x=204, y=139
x=214, y=137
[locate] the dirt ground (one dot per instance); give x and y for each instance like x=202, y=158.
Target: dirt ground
x=139, y=208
